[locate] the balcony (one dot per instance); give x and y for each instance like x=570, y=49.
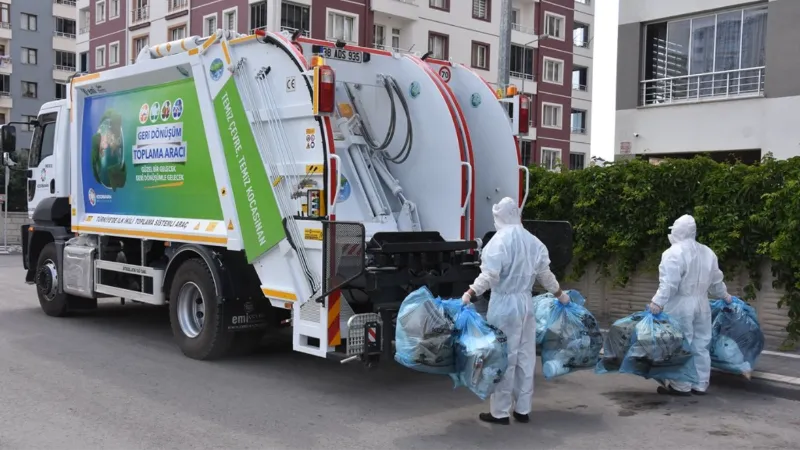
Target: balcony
x=584, y=6
x=140, y=15
x=84, y=30
x=64, y=8
x=578, y=130
x=63, y=41
x=731, y=84
x=62, y=73
x=5, y=65
x=5, y=100
x=176, y=6
x=405, y=9
x=305, y=33
x=5, y=30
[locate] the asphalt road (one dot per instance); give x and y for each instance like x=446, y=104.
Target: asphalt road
x=114, y=380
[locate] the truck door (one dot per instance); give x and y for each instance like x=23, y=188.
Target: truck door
x=41, y=162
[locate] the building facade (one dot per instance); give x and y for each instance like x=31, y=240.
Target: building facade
x=711, y=77
x=555, y=71
x=37, y=57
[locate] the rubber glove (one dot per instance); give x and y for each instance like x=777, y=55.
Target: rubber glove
x=563, y=298
x=655, y=309
x=728, y=299
x=466, y=298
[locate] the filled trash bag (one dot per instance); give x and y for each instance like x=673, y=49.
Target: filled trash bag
x=481, y=354
x=543, y=306
x=617, y=342
x=425, y=334
x=736, y=337
x=659, y=351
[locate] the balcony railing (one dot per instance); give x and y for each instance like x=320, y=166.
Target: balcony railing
x=177, y=6
x=407, y=2
x=139, y=15
x=522, y=28
x=305, y=33
x=5, y=94
x=581, y=43
x=65, y=68
x=706, y=86
x=5, y=25
x=64, y=35
x=84, y=29
x=578, y=130
x=66, y=2
x=580, y=87
x=520, y=75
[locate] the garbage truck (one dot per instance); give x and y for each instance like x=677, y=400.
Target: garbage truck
x=326, y=182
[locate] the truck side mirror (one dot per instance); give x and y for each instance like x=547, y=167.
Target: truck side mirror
x=8, y=138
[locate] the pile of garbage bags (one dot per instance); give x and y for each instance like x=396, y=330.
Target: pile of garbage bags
x=568, y=335
x=650, y=346
x=736, y=338
x=444, y=337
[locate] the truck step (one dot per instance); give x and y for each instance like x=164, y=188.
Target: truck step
x=155, y=297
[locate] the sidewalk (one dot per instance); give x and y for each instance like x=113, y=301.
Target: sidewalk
x=778, y=366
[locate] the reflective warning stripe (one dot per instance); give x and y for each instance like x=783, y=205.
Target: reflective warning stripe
x=373, y=337
x=334, y=327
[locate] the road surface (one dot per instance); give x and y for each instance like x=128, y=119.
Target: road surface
x=114, y=380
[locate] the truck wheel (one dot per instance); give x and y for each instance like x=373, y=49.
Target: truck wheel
x=53, y=303
x=196, y=318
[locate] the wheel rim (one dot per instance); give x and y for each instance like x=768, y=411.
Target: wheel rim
x=191, y=310
x=47, y=280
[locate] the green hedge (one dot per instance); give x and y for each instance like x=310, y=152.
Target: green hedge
x=621, y=213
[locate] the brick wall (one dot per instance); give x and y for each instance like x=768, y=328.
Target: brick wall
x=15, y=222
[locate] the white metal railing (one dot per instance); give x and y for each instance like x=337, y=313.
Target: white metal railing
x=66, y=2
x=407, y=2
x=522, y=28
x=580, y=43
x=5, y=94
x=578, y=130
x=65, y=68
x=177, y=5
x=305, y=33
x=706, y=86
x=84, y=29
x=5, y=25
x=140, y=14
x=580, y=87
x=520, y=75
x=64, y=35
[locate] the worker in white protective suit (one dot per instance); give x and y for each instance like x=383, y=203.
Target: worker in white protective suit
x=510, y=263
x=689, y=272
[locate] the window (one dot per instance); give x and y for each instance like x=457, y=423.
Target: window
x=580, y=78
x=439, y=44
x=551, y=157
x=396, y=39
x=578, y=120
x=577, y=161
x=379, y=36
x=551, y=115
x=178, y=5
x=65, y=61
x=27, y=120
x=100, y=57
x=482, y=10
x=341, y=26
x=177, y=33
x=61, y=91
x=113, y=9
x=100, y=11
x=65, y=27
x=5, y=13
x=444, y=5
x=715, y=55
x=5, y=84
x=43, y=141
x=516, y=16
x=554, y=25
x=526, y=152
x=139, y=43
x=113, y=53
x=480, y=55
x=210, y=24
x=30, y=89
x=258, y=16
x=84, y=59
x=29, y=22
x=521, y=62
x=295, y=17
x=85, y=17
x=229, y=20
x=29, y=55
x=553, y=70
x=141, y=11
x=580, y=35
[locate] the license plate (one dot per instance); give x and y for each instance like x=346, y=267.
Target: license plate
x=342, y=54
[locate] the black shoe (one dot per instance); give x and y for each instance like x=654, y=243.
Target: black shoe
x=696, y=392
x=521, y=418
x=489, y=418
x=670, y=391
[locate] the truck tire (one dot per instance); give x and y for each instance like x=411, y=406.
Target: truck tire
x=196, y=318
x=54, y=303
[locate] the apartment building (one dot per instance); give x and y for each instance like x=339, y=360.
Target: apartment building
x=37, y=57
x=555, y=72
x=711, y=77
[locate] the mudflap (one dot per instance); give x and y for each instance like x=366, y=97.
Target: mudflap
x=247, y=314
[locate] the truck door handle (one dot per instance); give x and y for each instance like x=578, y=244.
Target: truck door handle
x=53, y=186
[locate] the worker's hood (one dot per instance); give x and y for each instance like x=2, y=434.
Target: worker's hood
x=506, y=213
x=685, y=228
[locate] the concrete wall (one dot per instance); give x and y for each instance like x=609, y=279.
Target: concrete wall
x=15, y=222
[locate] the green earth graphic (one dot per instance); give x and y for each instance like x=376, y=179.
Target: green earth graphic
x=108, y=158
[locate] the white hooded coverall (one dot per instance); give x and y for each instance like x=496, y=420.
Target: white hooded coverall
x=510, y=263
x=689, y=272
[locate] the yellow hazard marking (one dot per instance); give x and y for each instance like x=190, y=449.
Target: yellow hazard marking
x=313, y=168
x=230, y=224
x=282, y=295
x=89, y=218
x=277, y=181
x=197, y=227
x=74, y=212
x=310, y=130
x=311, y=234
x=211, y=227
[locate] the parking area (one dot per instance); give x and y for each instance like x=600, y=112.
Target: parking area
x=114, y=379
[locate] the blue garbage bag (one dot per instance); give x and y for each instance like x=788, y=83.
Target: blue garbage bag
x=736, y=337
x=617, y=342
x=659, y=351
x=481, y=353
x=543, y=307
x=571, y=340
x=425, y=334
